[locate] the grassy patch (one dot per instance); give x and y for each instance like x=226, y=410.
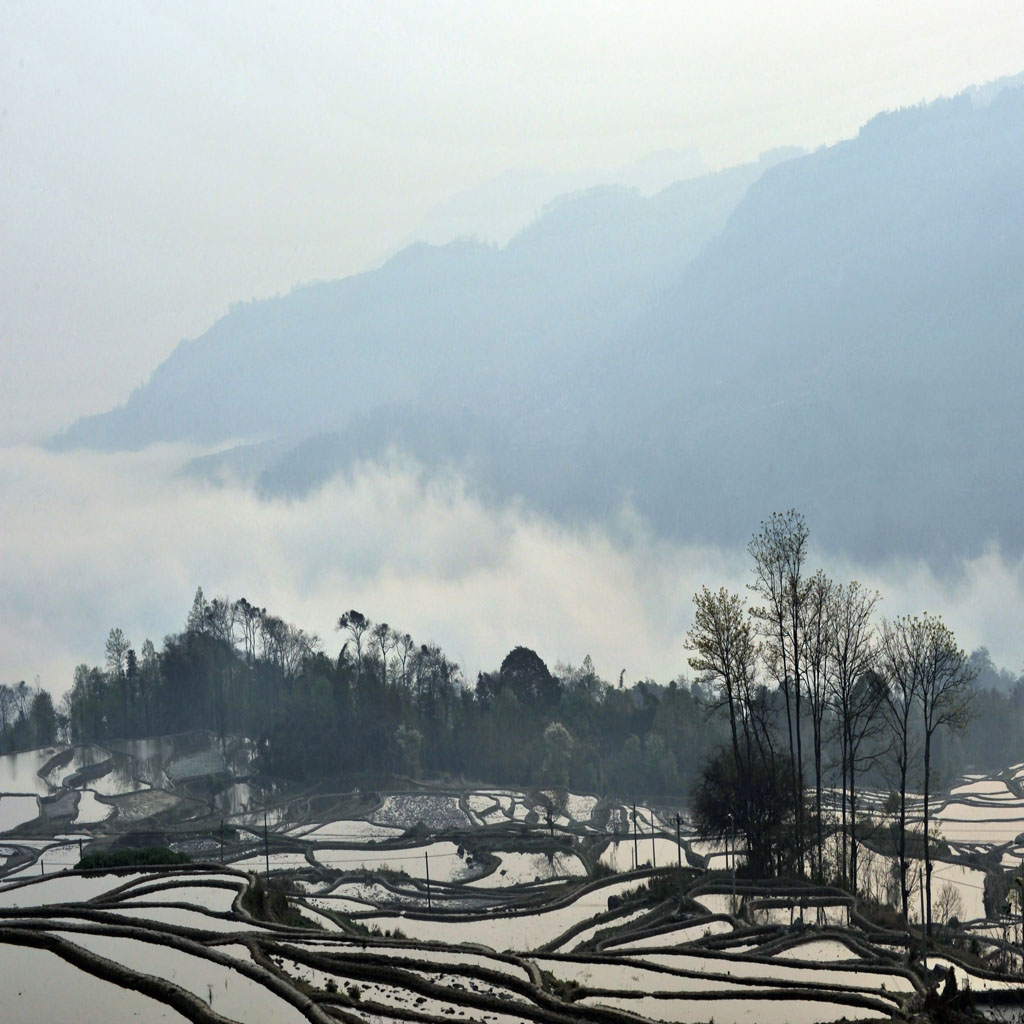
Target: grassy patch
x=269, y=903
x=568, y=990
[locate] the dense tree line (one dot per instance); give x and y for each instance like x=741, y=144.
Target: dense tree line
x=386, y=705
x=819, y=692
x=27, y=717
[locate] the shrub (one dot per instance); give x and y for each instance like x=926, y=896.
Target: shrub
x=129, y=857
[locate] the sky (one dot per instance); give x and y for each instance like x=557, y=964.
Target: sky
x=162, y=161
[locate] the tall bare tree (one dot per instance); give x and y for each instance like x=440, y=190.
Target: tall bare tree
x=355, y=624
x=725, y=648
x=817, y=628
x=779, y=551
x=856, y=694
x=900, y=666
x=725, y=655
x=247, y=622
x=944, y=689
x=384, y=637
x=117, y=648
x=404, y=649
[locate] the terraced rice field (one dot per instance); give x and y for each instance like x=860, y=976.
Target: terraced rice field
x=532, y=910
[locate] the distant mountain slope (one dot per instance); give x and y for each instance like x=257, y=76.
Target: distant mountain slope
x=846, y=339
x=498, y=209
x=458, y=325
x=852, y=343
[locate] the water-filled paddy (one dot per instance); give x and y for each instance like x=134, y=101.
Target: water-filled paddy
x=442, y=860
x=225, y=989
x=737, y=1010
x=656, y=852
x=520, y=932
x=348, y=830
x=16, y=810
x=91, y=810
x=177, y=917
x=520, y=868
x=57, y=889
x=40, y=986
x=383, y=886
x=724, y=967
x=19, y=773
x=674, y=937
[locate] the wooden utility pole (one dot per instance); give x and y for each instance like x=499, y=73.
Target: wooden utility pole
x=654, y=852
x=924, y=923
x=732, y=835
x=222, y=840
x=266, y=842
x=426, y=860
x=679, y=850
x=636, y=845
x=1019, y=887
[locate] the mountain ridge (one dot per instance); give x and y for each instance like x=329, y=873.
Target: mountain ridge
x=839, y=331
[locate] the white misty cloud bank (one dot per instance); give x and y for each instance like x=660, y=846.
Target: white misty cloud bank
x=91, y=541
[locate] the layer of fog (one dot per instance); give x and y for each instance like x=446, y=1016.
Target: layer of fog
x=94, y=541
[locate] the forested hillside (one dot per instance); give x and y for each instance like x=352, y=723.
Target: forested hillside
x=839, y=331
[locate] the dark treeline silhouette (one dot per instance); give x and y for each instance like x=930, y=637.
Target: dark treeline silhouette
x=27, y=717
x=387, y=706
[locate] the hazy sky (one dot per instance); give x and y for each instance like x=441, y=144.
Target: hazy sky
x=159, y=161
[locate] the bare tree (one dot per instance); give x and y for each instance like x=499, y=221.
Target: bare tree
x=298, y=646
x=7, y=706
x=817, y=643
x=779, y=551
x=747, y=793
x=219, y=619
x=949, y=903
x=273, y=637
x=944, y=690
x=116, y=651
x=196, y=621
x=384, y=637
x=355, y=624
x=246, y=620
x=117, y=648
x=725, y=652
x=856, y=694
x=899, y=663
x=404, y=648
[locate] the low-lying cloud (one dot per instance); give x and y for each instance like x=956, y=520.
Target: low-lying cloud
x=91, y=541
